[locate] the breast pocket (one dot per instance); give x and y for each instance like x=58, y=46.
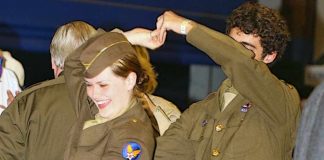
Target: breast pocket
x=243, y=135
x=236, y=119
x=200, y=136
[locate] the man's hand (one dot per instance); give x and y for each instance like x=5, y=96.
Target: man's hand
x=171, y=21
x=146, y=38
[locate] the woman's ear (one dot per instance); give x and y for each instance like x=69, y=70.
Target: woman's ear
x=131, y=80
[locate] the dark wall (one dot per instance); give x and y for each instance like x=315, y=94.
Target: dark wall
x=26, y=28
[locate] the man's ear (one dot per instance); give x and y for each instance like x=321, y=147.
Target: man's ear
x=55, y=68
x=53, y=64
x=131, y=80
x=270, y=57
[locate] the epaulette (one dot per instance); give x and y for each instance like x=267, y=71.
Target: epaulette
x=287, y=84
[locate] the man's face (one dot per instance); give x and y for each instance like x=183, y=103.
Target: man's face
x=251, y=42
x=111, y=93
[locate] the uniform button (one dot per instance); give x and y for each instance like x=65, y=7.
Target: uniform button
x=216, y=152
x=219, y=127
x=134, y=120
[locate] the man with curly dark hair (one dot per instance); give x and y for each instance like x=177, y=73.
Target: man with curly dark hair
x=253, y=115
x=255, y=19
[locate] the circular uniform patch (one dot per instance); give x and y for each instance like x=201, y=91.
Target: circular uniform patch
x=132, y=151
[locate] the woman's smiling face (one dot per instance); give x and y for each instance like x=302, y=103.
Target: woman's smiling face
x=111, y=93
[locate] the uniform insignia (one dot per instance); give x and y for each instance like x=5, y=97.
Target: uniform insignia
x=204, y=123
x=131, y=151
x=245, y=108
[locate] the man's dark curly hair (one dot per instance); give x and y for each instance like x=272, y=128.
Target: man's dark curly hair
x=254, y=18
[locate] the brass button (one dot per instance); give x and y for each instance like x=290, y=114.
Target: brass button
x=219, y=127
x=134, y=120
x=216, y=152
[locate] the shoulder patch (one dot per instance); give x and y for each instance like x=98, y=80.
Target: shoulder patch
x=132, y=151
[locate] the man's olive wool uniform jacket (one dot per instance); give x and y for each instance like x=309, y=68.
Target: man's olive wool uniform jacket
x=258, y=124
x=36, y=125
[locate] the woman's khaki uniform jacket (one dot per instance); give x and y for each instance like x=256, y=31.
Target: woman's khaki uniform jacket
x=258, y=124
x=36, y=124
x=105, y=141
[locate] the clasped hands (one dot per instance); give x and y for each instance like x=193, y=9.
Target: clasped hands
x=152, y=39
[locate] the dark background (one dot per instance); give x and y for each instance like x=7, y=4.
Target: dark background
x=26, y=29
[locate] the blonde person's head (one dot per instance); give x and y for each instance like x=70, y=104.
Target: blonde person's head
x=67, y=38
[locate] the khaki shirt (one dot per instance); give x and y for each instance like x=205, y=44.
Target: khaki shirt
x=165, y=112
x=36, y=124
x=258, y=124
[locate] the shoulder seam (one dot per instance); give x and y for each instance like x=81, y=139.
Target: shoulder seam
x=41, y=85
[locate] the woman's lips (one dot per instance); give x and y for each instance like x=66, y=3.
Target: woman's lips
x=103, y=104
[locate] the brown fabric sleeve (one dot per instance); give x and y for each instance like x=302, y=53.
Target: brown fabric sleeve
x=131, y=132
x=11, y=136
x=251, y=78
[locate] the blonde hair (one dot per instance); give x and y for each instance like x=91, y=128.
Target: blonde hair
x=67, y=38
